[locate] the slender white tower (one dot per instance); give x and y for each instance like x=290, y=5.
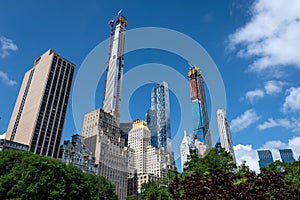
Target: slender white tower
x=113, y=85
x=225, y=135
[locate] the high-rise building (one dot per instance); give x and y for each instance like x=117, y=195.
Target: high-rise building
x=113, y=85
x=199, y=108
x=151, y=163
x=286, y=155
x=40, y=110
x=102, y=137
x=265, y=158
x=185, y=147
x=101, y=127
x=139, y=139
x=225, y=134
x=158, y=116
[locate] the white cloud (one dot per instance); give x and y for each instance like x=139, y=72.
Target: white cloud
x=294, y=144
x=6, y=45
x=250, y=155
x=254, y=95
x=270, y=123
x=292, y=100
x=246, y=153
x=271, y=36
x=245, y=120
x=290, y=124
x=273, y=87
x=2, y=136
x=4, y=78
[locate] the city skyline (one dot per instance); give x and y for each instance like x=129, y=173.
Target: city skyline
x=262, y=104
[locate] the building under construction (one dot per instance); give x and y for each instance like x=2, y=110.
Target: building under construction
x=101, y=127
x=199, y=108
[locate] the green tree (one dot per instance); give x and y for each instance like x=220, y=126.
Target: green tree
x=152, y=190
x=24, y=175
x=216, y=158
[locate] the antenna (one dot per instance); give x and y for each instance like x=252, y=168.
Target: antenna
x=190, y=64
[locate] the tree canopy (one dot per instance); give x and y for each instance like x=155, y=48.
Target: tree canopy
x=24, y=175
x=215, y=176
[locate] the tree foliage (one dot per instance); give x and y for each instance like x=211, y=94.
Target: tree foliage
x=216, y=177
x=24, y=175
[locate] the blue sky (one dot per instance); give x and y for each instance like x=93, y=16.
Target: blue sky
x=255, y=45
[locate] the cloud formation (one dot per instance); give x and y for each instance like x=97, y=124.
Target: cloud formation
x=273, y=87
x=292, y=124
x=292, y=100
x=254, y=95
x=244, y=120
x=5, y=79
x=271, y=36
x=248, y=154
x=6, y=45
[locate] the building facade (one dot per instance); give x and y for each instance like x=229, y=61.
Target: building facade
x=286, y=155
x=151, y=163
x=199, y=108
x=113, y=85
x=78, y=154
x=185, y=147
x=265, y=158
x=225, y=134
x=40, y=110
x=139, y=138
x=158, y=116
x=102, y=137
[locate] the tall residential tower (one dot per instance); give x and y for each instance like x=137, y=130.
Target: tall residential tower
x=40, y=110
x=114, y=73
x=199, y=108
x=101, y=127
x=225, y=135
x=158, y=116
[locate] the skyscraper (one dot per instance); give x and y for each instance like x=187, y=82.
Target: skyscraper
x=40, y=110
x=225, y=135
x=150, y=162
x=102, y=137
x=101, y=127
x=185, y=147
x=139, y=139
x=265, y=158
x=199, y=108
x=286, y=155
x=158, y=116
x=113, y=85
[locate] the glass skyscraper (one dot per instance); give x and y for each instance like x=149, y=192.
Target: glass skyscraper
x=158, y=116
x=265, y=158
x=286, y=155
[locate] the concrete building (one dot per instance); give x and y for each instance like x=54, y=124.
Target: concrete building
x=139, y=138
x=225, y=134
x=158, y=117
x=102, y=137
x=40, y=110
x=150, y=162
x=113, y=85
x=78, y=154
x=199, y=109
x=185, y=147
x=286, y=155
x=265, y=158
